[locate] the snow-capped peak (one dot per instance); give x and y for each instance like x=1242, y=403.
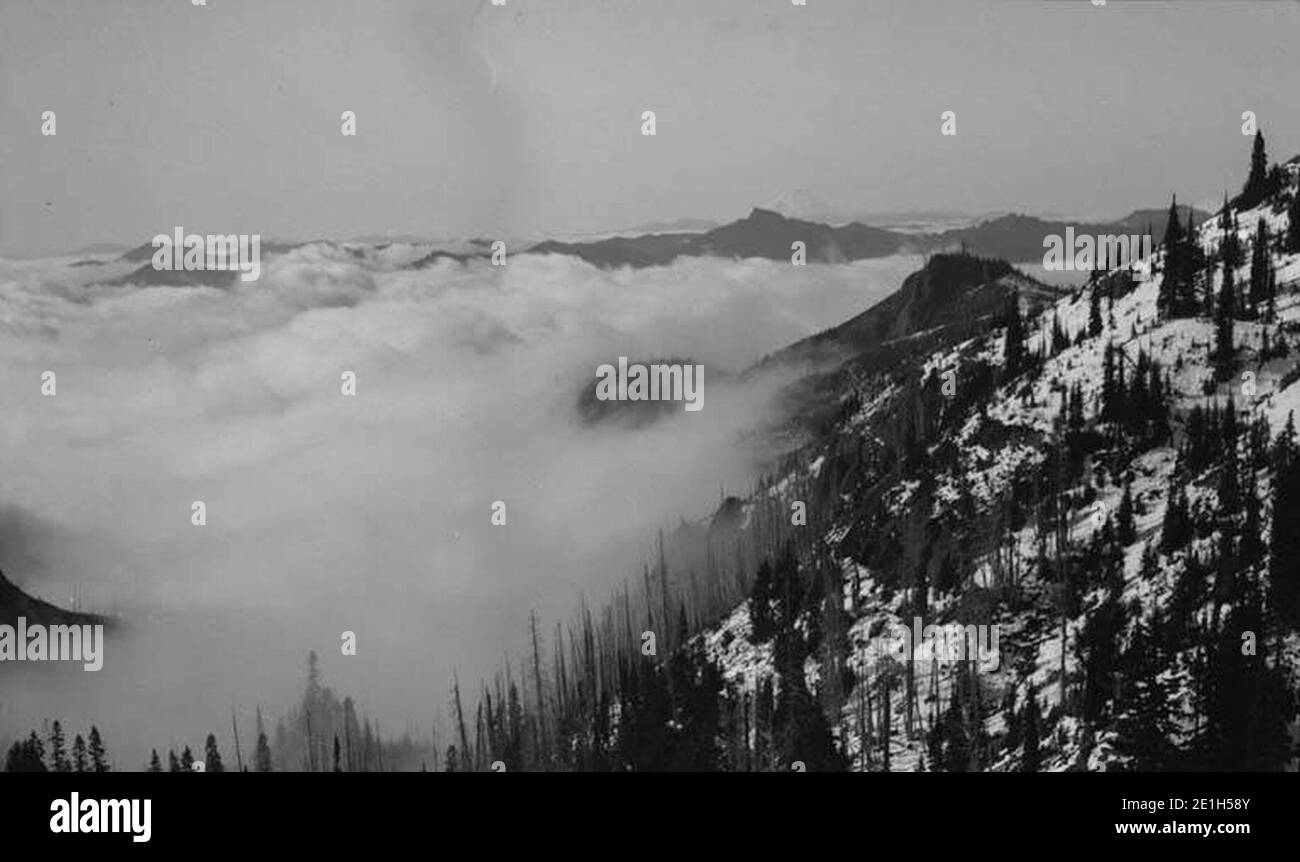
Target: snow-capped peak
x=801, y=204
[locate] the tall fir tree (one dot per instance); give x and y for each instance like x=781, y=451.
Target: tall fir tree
x=1261, y=271
x=1144, y=727
x=98, y=759
x=1257, y=181
x=1167, y=299
x=58, y=750
x=1013, y=353
x=262, y=754
x=1293, y=222
x=1126, y=529
x=1031, y=759
x=1224, y=328
x=1094, y=310
x=211, y=756
x=80, y=761
x=1284, y=550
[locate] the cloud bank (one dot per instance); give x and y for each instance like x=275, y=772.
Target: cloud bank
x=371, y=513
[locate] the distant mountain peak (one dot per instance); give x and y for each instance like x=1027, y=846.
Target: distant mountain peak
x=801, y=204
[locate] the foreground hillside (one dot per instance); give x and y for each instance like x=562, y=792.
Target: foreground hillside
x=1100, y=480
x=1092, y=485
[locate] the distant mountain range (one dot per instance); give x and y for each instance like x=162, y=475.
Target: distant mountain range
x=764, y=233
x=769, y=234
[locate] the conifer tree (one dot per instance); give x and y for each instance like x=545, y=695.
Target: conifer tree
x=58, y=750
x=79, y=758
x=1261, y=270
x=1246, y=702
x=1284, y=550
x=1150, y=566
x=35, y=753
x=1257, y=181
x=27, y=756
x=1293, y=222
x=1230, y=247
x=1126, y=530
x=1110, y=406
x=1059, y=339
x=956, y=745
x=1173, y=228
x=211, y=756
x=1013, y=353
x=1145, y=726
x=262, y=757
x=262, y=751
x=1193, y=262
x=1224, y=323
x=1176, y=529
x=1167, y=299
x=1099, y=643
x=1031, y=760
x=98, y=761
x=155, y=765
x=760, y=604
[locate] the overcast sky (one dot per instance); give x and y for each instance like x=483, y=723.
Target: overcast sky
x=481, y=119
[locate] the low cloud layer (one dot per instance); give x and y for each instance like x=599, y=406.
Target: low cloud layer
x=369, y=513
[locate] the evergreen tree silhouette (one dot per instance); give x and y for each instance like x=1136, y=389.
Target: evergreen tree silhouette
x=211, y=756
x=1145, y=725
x=1094, y=311
x=80, y=760
x=262, y=750
x=1031, y=728
x=1257, y=181
x=1293, y=222
x=1167, y=301
x=262, y=758
x=1013, y=352
x=58, y=750
x=1224, y=323
x=1261, y=271
x=1284, y=549
x=27, y=756
x=98, y=760
x=1126, y=531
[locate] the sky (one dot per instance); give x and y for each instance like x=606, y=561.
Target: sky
x=525, y=119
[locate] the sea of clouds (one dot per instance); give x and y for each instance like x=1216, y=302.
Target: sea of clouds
x=371, y=513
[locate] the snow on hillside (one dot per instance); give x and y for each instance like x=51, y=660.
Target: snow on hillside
x=1009, y=436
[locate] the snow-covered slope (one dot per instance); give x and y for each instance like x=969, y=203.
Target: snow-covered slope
x=992, y=445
